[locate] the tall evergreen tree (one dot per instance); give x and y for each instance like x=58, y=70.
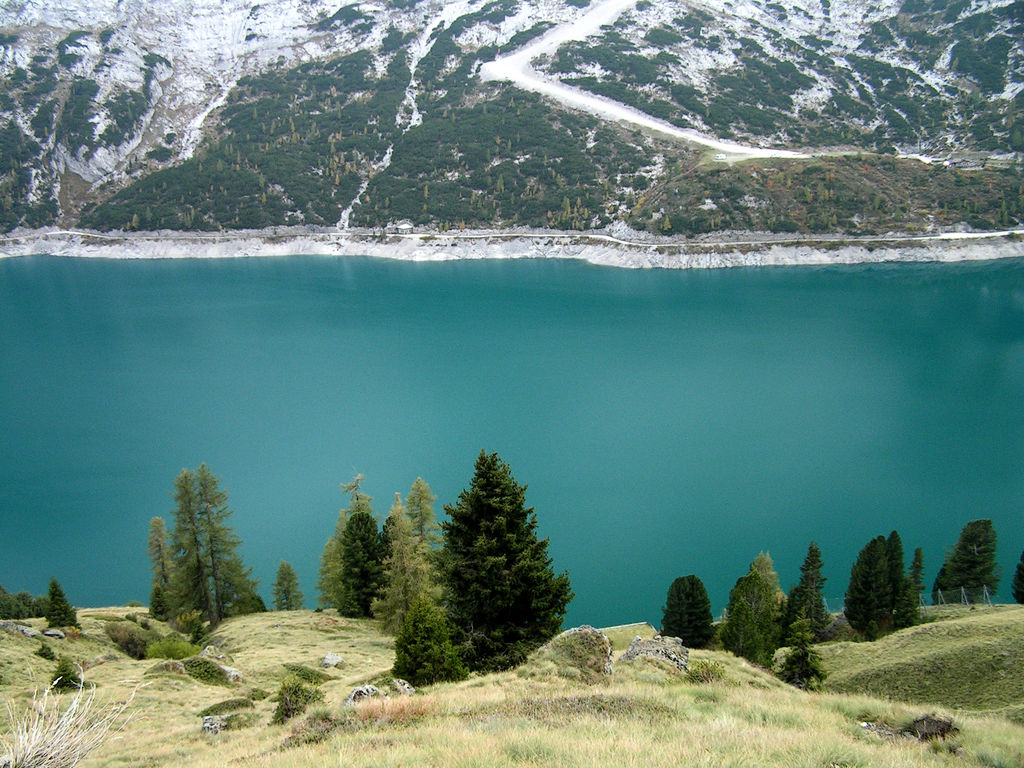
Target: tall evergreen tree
x=807, y=595
x=502, y=593
x=420, y=506
x=190, y=580
x=329, y=583
x=687, y=612
x=424, y=652
x=752, y=624
x=894, y=557
x=869, y=594
x=207, y=574
x=59, y=612
x=940, y=585
x=362, y=567
x=407, y=571
x=1018, y=581
x=917, y=571
x=159, y=549
x=287, y=595
x=802, y=666
x=904, y=601
x=971, y=565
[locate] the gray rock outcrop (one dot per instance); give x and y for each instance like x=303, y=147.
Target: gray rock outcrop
x=233, y=674
x=213, y=724
x=212, y=652
x=362, y=693
x=585, y=647
x=331, y=660
x=401, y=687
x=54, y=632
x=14, y=627
x=670, y=649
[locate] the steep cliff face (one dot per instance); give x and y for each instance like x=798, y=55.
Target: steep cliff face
x=97, y=97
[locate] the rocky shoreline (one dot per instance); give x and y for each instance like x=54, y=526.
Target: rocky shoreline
x=615, y=248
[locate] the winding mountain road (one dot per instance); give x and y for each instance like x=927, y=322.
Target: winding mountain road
x=517, y=68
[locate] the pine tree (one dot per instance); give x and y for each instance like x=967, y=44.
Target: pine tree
x=1018, y=581
x=687, y=612
x=66, y=676
x=502, y=593
x=207, y=572
x=894, y=557
x=751, y=627
x=362, y=568
x=329, y=585
x=906, y=612
x=971, y=565
x=190, y=579
x=802, y=666
x=806, y=596
x=869, y=594
x=331, y=580
x=287, y=595
x=159, y=550
x=424, y=652
x=59, y=612
x=420, y=506
x=407, y=571
x=159, y=608
x=904, y=601
x=917, y=570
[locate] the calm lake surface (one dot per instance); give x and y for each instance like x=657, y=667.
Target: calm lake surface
x=666, y=423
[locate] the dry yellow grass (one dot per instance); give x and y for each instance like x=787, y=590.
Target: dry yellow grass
x=643, y=715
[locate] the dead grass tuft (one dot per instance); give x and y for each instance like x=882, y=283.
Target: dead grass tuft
x=55, y=736
x=401, y=710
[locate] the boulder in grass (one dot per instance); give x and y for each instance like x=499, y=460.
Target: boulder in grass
x=213, y=724
x=670, y=649
x=583, y=653
x=362, y=693
x=402, y=688
x=331, y=660
x=928, y=727
x=15, y=627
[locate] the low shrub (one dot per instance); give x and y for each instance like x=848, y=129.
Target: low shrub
x=171, y=648
x=293, y=697
x=190, y=623
x=44, y=651
x=205, y=671
x=258, y=694
x=226, y=706
x=130, y=638
x=238, y=720
x=703, y=671
x=307, y=674
x=316, y=728
x=65, y=676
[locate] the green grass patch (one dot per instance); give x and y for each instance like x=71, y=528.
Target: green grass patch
x=307, y=674
x=171, y=648
x=227, y=706
x=205, y=671
x=621, y=636
x=968, y=660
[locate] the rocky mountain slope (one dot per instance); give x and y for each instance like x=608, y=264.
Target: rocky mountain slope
x=193, y=114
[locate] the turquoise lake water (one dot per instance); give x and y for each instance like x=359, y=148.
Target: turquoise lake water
x=666, y=423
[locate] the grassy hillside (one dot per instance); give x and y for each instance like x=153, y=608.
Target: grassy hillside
x=967, y=659
x=540, y=714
